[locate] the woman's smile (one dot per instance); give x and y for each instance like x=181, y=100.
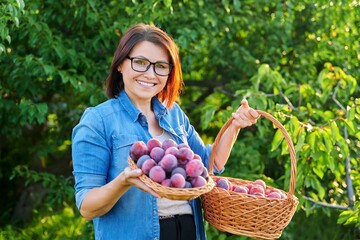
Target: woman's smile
x=145, y=84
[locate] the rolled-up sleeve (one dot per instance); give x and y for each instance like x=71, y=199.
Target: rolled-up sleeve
x=90, y=154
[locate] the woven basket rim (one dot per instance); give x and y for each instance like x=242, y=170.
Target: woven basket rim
x=285, y=135
x=171, y=192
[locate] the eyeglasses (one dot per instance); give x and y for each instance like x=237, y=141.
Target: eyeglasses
x=140, y=64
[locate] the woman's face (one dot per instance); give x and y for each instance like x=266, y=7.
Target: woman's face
x=142, y=86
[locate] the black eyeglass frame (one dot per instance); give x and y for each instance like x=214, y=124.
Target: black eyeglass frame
x=151, y=63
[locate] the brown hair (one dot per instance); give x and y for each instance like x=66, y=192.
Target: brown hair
x=134, y=35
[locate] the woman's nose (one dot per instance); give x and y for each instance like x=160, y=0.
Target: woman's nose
x=150, y=72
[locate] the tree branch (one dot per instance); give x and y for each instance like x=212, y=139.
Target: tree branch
x=350, y=189
x=287, y=100
x=325, y=204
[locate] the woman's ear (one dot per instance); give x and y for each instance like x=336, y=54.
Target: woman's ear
x=119, y=69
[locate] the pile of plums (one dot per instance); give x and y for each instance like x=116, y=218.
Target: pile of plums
x=257, y=188
x=169, y=164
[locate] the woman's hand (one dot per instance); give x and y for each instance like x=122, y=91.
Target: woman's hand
x=131, y=178
x=244, y=116
x=100, y=200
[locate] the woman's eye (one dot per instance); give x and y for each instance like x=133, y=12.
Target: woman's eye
x=162, y=65
x=141, y=62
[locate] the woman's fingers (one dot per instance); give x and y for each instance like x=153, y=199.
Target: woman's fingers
x=142, y=186
x=130, y=173
x=244, y=103
x=240, y=121
x=254, y=113
x=132, y=178
x=245, y=116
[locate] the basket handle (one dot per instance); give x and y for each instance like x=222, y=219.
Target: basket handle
x=285, y=134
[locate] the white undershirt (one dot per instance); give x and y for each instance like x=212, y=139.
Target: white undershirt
x=171, y=207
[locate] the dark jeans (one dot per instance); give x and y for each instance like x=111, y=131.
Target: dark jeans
x=177, y=227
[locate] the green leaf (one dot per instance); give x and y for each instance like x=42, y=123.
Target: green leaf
x=319, y=188
x=347, y=217
x=237, y=4
x=258, y=102
x=351, y=113
x=48, y=69
x=283, y=108
x=21, y=4
x=327, y=138
x=294, y=124
x=167, y=3
x=42, y=109
x=335, y=130
x=357, y=135
x=344, y=216
x=350, y=83
x=306, y=90
x=263, y=70
x=327, y=211
x=350, y=125
x=64, y=76
x=328, y=115
x=207, y=114
x=278, y=137
x=344, y=148
x=284, y=148
x=8, y=38
x=332, y=164
x=300, y=140
x=321, y=146
x=59, y=49
x=312, y=139
x=2, y=48
x=308, y=208
x=318, y=171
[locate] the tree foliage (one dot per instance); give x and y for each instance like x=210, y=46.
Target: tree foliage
x=298, y=60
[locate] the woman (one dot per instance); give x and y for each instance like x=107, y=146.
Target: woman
x=144, y=83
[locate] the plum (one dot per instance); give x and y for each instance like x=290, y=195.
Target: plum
x=153, y=142
x=198, y=181
x=185, y=155
x=223, y=183
x=168, y=143
x=157, y=174
x=147, y=165
x=138, y=149
x=168, y=162
x=194, y=168
x=157, y=153
x=177, y=180
x=141, y=160
x=240, y=189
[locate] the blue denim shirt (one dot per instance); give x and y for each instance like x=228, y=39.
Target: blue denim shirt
x=100, y=149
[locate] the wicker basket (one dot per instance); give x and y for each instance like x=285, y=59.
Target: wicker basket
x=171, y=192
x=244, y=214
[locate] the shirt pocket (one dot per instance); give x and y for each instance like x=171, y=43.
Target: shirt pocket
x=121, y=146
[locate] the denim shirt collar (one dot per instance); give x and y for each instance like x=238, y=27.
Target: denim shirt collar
x=124, y=100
